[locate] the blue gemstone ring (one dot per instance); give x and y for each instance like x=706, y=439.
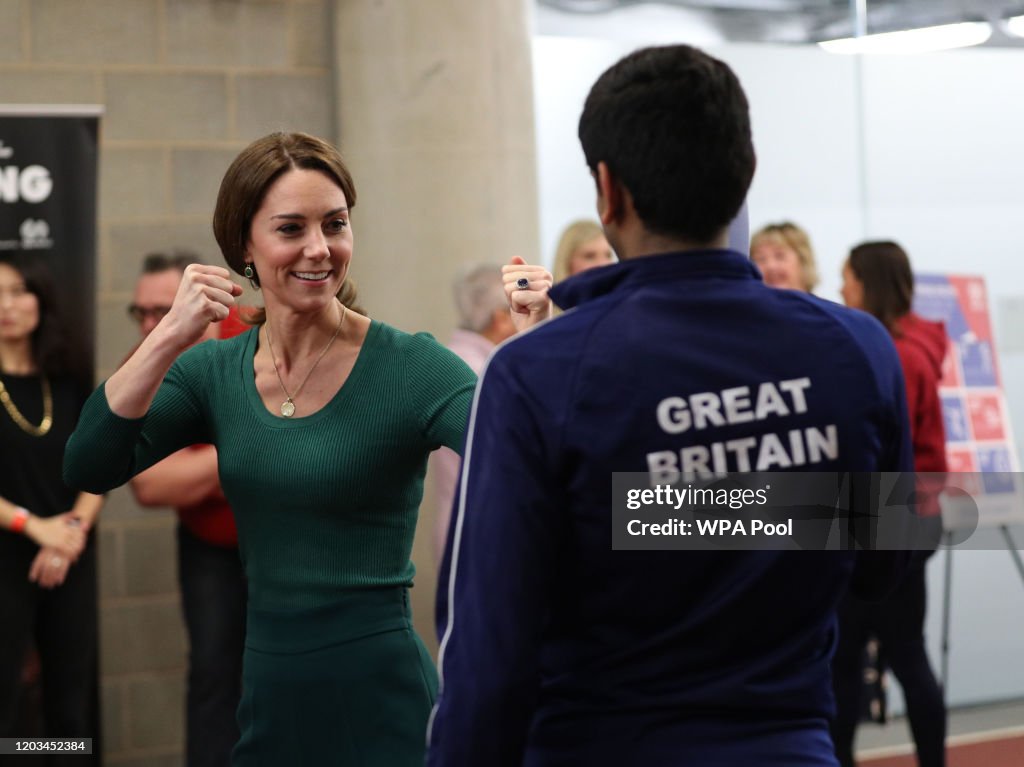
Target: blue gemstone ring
x=522, y=283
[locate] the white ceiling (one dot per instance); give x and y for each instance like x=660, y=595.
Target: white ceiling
x=779, y=21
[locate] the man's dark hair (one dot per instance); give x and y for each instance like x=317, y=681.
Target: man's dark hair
x=673, y=126
x=154, y=263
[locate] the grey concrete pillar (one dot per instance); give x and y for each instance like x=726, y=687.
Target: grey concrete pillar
x=435, y=118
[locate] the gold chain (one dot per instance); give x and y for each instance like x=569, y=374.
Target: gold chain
x=288, y=406
x=15, y=414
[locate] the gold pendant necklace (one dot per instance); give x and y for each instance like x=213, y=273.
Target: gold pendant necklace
x=288, y=406
x=44, y=426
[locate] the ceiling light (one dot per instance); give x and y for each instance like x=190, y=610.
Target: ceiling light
x=921, y=40
x=1015, y=26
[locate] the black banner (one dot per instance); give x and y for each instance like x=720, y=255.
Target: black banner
x=48, y=168
x=48, y=174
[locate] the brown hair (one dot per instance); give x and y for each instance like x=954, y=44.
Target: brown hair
x=175, y=260
x=884, y=270
x=576, y=234
x=791, y=236
x=247, y=180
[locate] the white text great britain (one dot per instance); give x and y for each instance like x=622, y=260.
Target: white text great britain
x=756, y=452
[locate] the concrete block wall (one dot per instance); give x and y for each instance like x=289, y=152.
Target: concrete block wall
x=185, y=84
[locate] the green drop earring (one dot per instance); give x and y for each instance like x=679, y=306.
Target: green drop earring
x=250, y=274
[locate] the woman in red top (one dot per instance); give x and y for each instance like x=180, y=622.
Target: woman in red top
x=878, y=279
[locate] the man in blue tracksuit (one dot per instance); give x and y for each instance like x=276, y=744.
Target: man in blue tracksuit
x=559, y=650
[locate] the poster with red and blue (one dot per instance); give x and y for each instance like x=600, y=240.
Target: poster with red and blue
x=979, y=439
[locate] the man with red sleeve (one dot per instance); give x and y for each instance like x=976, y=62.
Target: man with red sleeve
x=213, y=587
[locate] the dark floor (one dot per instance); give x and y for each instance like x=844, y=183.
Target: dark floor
x=981, y=736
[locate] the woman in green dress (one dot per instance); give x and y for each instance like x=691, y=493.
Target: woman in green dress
x=323, y=420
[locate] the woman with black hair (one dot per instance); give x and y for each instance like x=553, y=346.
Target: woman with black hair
x=877, y=278
x=47, y=552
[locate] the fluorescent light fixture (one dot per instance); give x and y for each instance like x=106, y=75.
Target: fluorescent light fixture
x=921, y=40
x=1015, y=26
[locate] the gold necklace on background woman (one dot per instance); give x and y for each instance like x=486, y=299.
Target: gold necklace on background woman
x=12, y=410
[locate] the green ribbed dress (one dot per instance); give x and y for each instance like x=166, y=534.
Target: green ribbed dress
x=326, y=507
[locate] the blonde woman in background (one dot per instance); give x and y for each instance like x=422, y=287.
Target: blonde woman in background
x=582, y=246
x=785, y=257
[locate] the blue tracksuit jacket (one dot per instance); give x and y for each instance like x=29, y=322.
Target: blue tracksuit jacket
x=557, y=650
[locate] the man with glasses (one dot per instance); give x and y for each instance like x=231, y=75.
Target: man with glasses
x=213, y=589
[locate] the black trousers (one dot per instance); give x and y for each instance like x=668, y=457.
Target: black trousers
x=898, y=624
x=63, y=624
x=213, y=599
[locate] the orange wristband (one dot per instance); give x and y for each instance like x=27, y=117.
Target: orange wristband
x=20, y=520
